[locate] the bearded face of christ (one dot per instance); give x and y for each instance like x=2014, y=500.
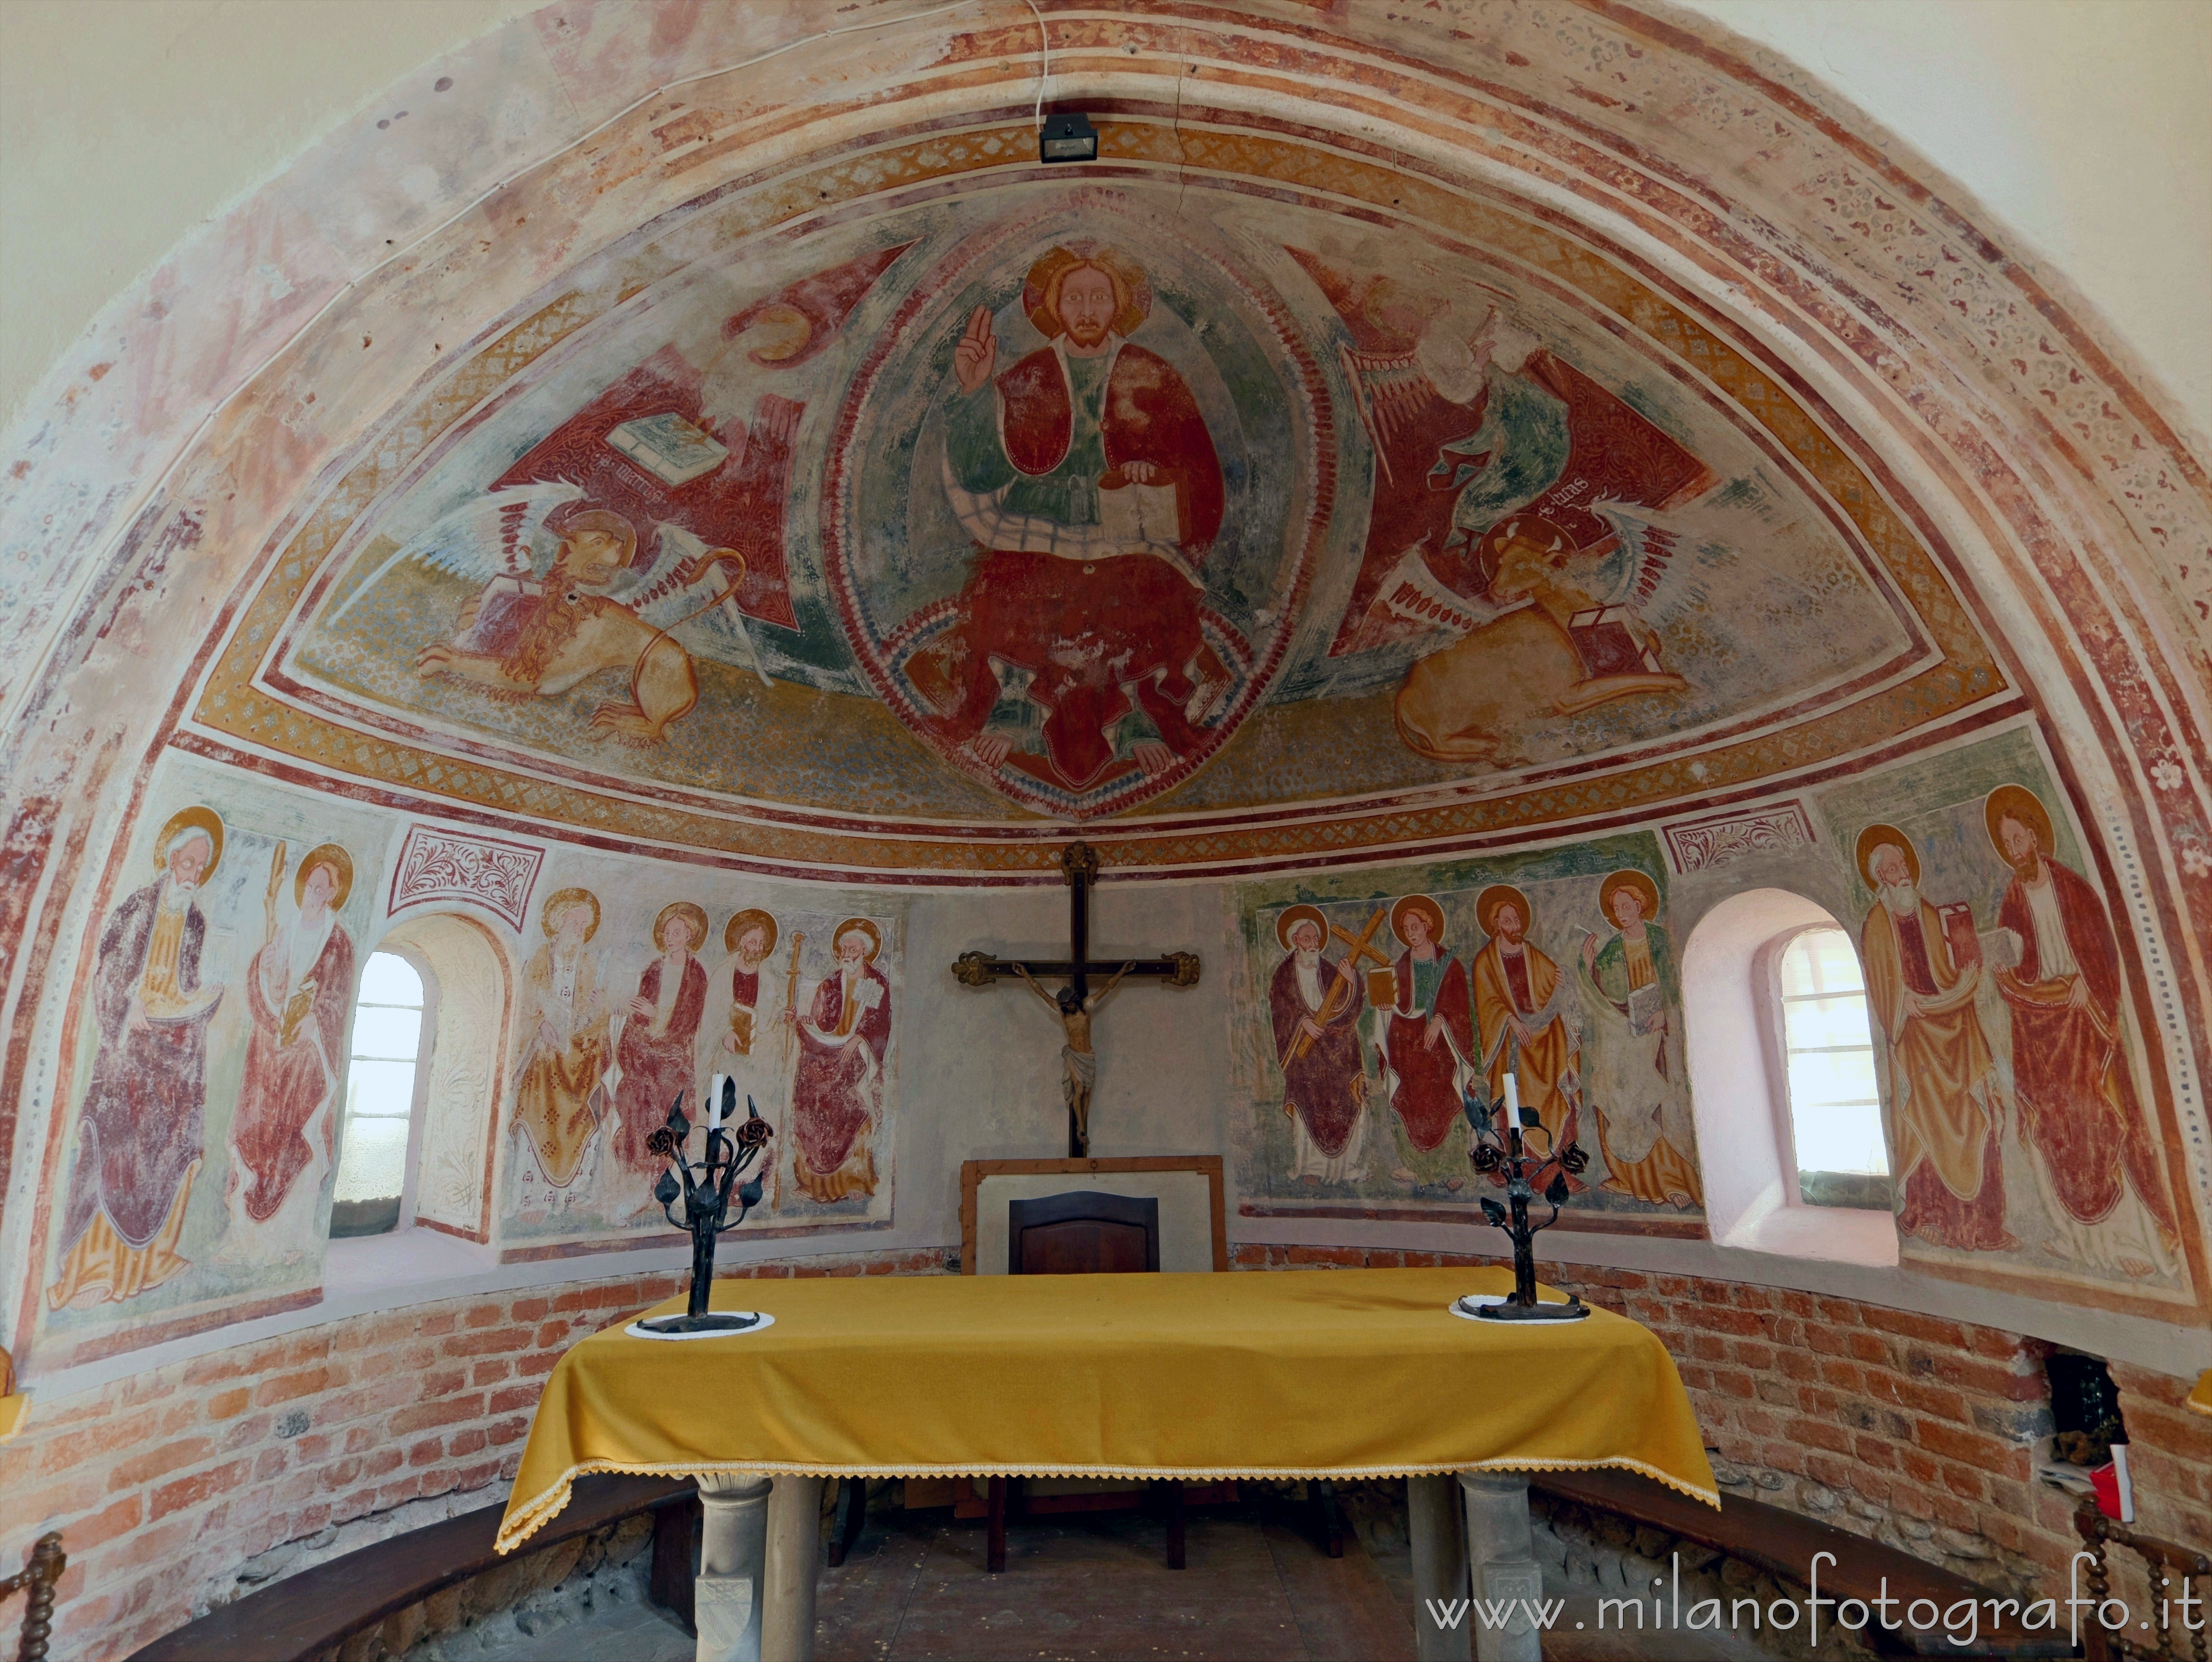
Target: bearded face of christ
x=1086, y=307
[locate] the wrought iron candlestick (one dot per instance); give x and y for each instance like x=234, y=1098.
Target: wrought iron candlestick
x=1494, y=1150
x=707, y=1199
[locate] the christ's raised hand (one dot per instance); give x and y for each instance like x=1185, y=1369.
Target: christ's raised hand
x=977, y=352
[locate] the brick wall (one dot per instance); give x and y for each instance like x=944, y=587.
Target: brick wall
x=1909, y=1429
x=165, y=1483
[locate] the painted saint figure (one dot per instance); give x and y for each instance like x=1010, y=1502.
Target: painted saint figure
x=1521, y=1002
x=1088, y=479
x=1428, y=1041
x=298, y=991
x=1946, y=1107
x=836, y=1093
x=560, y=1097
x=1313, y=1006
x=1079, y=1063
x=659, y=1035
x=140, y=1138
x=750, y=1043
x=1643, y=1111
x=525, y=638
x=2093, y=1158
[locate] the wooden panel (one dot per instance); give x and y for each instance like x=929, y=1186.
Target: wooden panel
x=973, y=1172
x=1083, y=1233
x=1085, y=1247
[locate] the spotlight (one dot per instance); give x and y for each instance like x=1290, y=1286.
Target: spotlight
x=1067, y=138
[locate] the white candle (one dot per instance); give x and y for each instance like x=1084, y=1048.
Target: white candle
x=714, y=1103
x=1512, y=1102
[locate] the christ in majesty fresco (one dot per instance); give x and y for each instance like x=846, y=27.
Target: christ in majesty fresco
x=1087, y=477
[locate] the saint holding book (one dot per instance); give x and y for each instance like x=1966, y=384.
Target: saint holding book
x=1637, y=1076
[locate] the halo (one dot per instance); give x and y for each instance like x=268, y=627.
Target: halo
x=1873, y=837
x=1424, y=904
x=2019, y=803
x=195, y=818
x=1487, y=902
x=328, y=854
x=875, y=936
x=734, y=930
x=1294, y=915
x=560, y=900
x=1041, y=288
x=697, y=915
x=1646, y=890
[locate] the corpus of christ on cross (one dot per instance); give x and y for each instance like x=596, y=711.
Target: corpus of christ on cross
x=1077, y=1003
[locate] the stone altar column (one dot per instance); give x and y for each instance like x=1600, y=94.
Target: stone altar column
x=1501, y=1555
x=1433, y=1521
x=794, y=1548
x=727, y=1600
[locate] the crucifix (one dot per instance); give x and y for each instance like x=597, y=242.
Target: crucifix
x=1077, y=1003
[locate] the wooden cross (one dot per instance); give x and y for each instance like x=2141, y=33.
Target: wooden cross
x=1078, y=864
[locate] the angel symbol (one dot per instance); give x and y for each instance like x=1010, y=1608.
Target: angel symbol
x=1558, y=631
x=595, y=606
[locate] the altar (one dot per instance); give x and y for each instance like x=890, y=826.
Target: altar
x=1349, y=1374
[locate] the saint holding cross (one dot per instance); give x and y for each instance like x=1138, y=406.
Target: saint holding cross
x=1076, y=1004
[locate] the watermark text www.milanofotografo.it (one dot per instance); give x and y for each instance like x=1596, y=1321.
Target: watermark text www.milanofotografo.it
x=1961, y=1622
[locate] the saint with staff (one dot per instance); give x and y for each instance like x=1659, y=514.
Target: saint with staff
x=1314, y=1006
x=299, y=992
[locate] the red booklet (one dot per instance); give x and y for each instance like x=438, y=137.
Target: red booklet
x=1958, y=934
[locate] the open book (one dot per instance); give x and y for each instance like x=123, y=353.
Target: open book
x=1138, y=516
x=668, y=448
x=1647, y=1010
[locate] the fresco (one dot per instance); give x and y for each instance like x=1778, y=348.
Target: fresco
x=1378, y=1016
x=2021, y=1134
x=1045, y=502
x=211, y=1054
x=630, y=995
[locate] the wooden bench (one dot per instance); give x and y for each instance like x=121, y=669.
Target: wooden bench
x=304, y=1615
x=1783, y=1544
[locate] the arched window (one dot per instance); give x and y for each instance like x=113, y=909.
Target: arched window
x=1781, y=1071
x=1835, y=1106
x=379, y=1099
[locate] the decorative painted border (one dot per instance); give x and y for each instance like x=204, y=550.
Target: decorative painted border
x=1698, y=845
x=453, y=866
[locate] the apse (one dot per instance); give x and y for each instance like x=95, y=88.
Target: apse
x=1498, y=579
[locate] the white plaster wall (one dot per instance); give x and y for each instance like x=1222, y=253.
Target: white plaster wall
x=2080, y=124
x=125, y=125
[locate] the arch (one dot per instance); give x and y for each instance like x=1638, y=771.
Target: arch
x=1739, y=1090
x=466, y=1016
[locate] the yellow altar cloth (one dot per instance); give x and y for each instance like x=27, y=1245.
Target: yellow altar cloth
x=1335, y=1374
